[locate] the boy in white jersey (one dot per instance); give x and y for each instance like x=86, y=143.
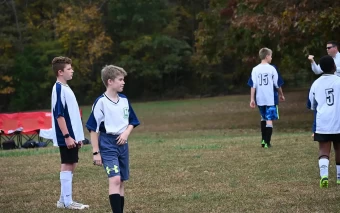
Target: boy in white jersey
x=265, y=77
x=67, y=129
x=324, y=97
x=113, y=118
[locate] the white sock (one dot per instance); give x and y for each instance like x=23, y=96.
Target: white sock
x=323, y=165
x=66, y=186
x=61, y=199
x=338, y=172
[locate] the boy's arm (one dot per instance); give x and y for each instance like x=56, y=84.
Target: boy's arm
x=97, y=160
x=59, y=110
x=316, y=68
x=282, y=97
x=252, y=97
x=122, y=138
x=92, y=124
x=253, y=89
x=70, y=142
x=133, y=122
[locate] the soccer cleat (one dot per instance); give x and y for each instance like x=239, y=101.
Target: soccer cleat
x=338, y=182
x=266, y=146
x=263, y=143
x=324, y=182
x=60, y=205
x=73, y=205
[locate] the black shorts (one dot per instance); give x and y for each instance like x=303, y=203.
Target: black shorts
x=68, y=156
x=326, y=137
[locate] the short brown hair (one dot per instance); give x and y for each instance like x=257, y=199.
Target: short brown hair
x=264, y=52
x=58, y=63
x=111, y=72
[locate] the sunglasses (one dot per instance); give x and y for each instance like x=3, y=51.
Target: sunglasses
x=329, y=47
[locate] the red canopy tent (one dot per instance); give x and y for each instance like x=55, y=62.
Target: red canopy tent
x=25, y=125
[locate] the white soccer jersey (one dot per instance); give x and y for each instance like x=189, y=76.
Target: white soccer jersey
x=324, y=95
x=264, y=77
x=64, y=103
x=110, y=117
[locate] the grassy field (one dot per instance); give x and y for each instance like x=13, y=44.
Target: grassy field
x=190, y=156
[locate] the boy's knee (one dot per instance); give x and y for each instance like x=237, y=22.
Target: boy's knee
x=115, y=181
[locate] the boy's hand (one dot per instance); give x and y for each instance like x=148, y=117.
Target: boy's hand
x=80, y=144
x=311, y=58
x=122, y=138
x=282, y=98
x=70, y=142
x=252, y=104
x=97, y=160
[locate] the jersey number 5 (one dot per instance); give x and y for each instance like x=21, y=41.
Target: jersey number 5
x=329, y=96
x=263, y=79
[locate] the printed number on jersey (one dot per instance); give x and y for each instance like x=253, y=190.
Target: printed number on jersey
x=263, y=79
x=329, y=96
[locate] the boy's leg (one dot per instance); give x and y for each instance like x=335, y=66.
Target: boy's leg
x=69, y=160
x=122, y=192
x=66, y=177
x=269, y=132
x=272, y=113
x=124, y=169
x=109, y=151
x=263, y=131
x=114, y=194
x=262, y=110
x=324, y=151
x=336, y=146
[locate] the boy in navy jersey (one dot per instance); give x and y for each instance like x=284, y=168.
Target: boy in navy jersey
x=265, y=78
x=110, y=123
x=67, y=129
x=324, y=97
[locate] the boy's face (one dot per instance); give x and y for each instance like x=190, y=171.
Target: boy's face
x=67, y=73
x=269, y=58
x=117, y=84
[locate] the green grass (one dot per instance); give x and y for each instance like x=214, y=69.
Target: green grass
x=199, y=155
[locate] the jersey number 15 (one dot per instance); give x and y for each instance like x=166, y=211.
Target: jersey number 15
x=263, y=79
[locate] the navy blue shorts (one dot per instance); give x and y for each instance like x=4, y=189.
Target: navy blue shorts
x=115, y=158
x=269, y=113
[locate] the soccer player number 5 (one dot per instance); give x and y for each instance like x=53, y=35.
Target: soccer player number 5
x=329, y=96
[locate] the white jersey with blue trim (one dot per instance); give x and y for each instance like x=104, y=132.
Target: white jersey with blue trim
x=111, y=117
x=264, y=77
x=64, y=104
x=324, y=97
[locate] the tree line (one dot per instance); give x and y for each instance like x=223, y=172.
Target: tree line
x=170, y=48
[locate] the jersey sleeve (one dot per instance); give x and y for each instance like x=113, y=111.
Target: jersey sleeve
x=280, y=81
x=133, y=120
x=275, y=78
x=316, y=68
x=253, y=78
x=96, y=117
x=59, y=107
x=250, y=82
x=311, y=99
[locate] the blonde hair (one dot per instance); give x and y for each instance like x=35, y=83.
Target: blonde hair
x=264, y=52
x=111, y=72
